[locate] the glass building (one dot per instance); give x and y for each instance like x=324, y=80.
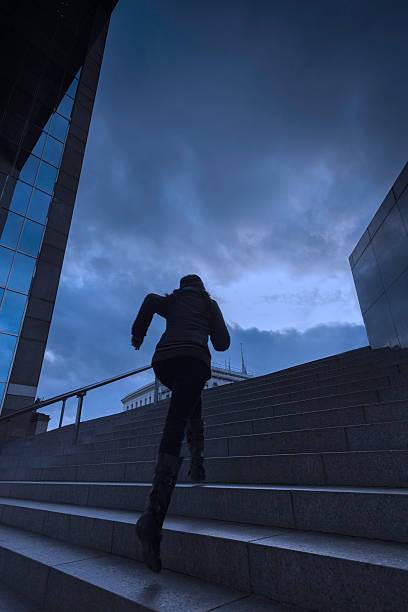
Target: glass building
x=52, y=52
x=379, y=264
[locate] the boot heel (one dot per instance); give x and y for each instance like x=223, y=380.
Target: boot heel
x=149, y=525
x=146, y=530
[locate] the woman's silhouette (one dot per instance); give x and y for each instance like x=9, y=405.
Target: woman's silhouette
x=182, y=362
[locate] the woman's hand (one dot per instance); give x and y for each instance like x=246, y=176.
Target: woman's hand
x=136, y=342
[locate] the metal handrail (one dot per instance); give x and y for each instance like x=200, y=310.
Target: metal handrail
x=79, y=393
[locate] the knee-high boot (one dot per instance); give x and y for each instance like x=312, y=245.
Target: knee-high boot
x=149, y=525
x=195, y=441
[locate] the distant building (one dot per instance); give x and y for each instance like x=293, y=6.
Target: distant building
x=146, y=394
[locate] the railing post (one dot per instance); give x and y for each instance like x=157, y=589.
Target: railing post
x=80, y=397
x=62, y=412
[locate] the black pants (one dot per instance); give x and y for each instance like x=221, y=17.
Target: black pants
x=186, y=377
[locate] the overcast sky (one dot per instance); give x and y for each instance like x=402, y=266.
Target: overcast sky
x=246, y=141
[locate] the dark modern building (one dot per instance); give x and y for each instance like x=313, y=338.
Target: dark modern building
x=51, y=57
x=379, y=264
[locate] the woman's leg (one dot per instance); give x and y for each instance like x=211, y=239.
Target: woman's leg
x=195, y=441
x=185, y=392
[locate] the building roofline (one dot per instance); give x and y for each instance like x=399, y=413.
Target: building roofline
x=214, y=371
x=131, y=395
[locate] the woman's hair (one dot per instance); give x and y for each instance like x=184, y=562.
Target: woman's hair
x=192, y=280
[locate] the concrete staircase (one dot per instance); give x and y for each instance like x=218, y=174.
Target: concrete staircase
x=304, y=508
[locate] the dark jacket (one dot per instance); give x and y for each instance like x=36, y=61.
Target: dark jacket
x=189, y=322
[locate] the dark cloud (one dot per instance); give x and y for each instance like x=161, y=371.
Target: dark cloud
x=263, y=133
x=230, y=138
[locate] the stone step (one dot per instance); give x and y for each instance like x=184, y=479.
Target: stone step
x=307, y=374
x=10, y=601
x=227, y=392
x=244, y=409
x=379, y=436
x=262, y=421
x=386, y=468
x=351, y=415
x=254, y=383
x=292, y=566
x=248, y=412
x=67, y=577
x=253, y=410
x=368, y=385
x=106, y=423
x=326, y=366
x=372, y=513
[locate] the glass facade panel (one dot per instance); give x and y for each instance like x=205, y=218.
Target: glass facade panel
x=72, y=88
x=381, y=274
x=38, y=148
x=398, y=301
x=39, y=205
x=46, y=177
x=390, y=244
x=59, y=127
x=7, y=346
x=379, y=324
x=53, y=151
x=6, y=257
x=65, y=107
x=367, y=279
x=403, y=207
x=29, y=170
x=21, y=197
x=11, y=312
x=11, y=230
x=2, y=388
x=21, y=273
x=31, y=238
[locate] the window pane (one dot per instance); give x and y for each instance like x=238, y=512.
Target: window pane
x=11, y=312
x=59, y=127
x=53, y=151
x=38, y=148
x=20, y=198
x=29, y=170
x=2, y=387
x=21, y=273
x=31, y=238
x=6, y=257
x=7, y=344
x=39, y=205
x=11, y=230
x=65, y=106
x=46, y=177
x=72, y=88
